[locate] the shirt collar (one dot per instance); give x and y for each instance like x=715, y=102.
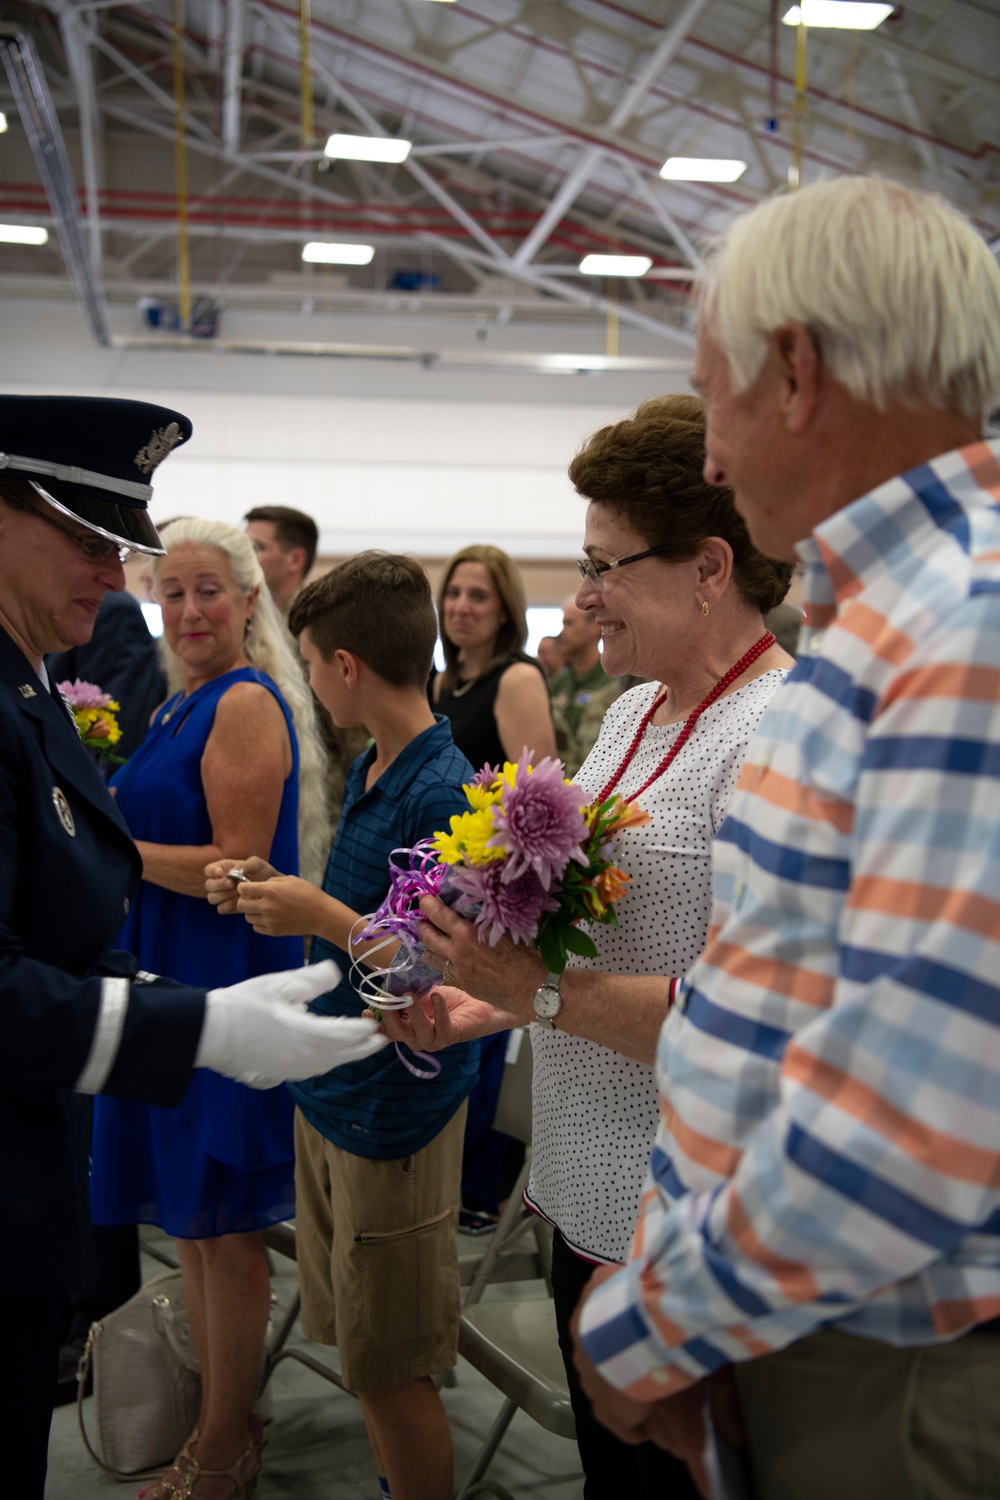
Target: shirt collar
x=865, y=539
x=395, y=779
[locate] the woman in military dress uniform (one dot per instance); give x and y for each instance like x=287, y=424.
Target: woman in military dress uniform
x=78, y=1018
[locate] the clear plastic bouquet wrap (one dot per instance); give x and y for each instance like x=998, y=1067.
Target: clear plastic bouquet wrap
x=531, y=859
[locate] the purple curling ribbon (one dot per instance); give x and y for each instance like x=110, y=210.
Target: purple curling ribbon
x=413, y=873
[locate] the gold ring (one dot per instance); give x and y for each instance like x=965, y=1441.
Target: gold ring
x=448, y=976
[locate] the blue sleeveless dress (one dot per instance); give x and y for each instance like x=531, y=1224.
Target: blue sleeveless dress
x=222, y=1161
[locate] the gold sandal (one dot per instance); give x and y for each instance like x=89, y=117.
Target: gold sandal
x=163, y=1487
x=244, y=1483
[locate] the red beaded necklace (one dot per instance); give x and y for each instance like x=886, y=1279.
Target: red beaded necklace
x=766, y=641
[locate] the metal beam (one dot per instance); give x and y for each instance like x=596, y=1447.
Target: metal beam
x=232, y=74
x=495, y=257
x=374, y=127
x=476, y=258
x=152, y=89
x=912, y=113
x=662, y=56
x=664, y=215
x=502, y=143
x=81, y=69
x=41, y=125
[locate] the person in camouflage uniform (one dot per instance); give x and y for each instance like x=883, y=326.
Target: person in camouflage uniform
x=581, y=693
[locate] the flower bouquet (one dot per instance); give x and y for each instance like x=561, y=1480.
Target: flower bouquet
x=94, y=716
x=530, y=859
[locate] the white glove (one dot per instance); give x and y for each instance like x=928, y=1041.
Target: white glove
x=260, y=1033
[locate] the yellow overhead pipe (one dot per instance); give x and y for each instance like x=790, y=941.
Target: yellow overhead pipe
x=611, y=342
x=305, y=63
x=180, y=170
x=798, y=116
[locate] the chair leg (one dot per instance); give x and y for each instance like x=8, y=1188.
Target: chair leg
x=501, y=1235
x=486, y=1488
x=281, y=1334
x=543, y=1245
x=493, y=1440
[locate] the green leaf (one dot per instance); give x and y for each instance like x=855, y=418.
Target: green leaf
x=579, y=942
x=552, y=949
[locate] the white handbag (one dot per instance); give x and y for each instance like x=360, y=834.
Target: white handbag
x=147, y=1389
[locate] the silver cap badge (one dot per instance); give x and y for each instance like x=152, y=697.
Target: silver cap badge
x=157, y=448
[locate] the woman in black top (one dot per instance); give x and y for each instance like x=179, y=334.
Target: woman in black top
x=495, y=696
x=497, y=700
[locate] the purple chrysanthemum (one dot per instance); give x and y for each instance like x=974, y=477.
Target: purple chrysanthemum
x=80, y=694
x=486, y=777
x=507, y=906
x=540, y=823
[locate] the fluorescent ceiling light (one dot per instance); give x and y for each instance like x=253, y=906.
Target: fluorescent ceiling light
x=22, y=234
x=702, y=169
x=615, y=265
x=3, y=122
x=325, y=253
x=366, y=148
x=847, y=15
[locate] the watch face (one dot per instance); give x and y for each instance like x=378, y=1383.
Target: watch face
x=547, y=1002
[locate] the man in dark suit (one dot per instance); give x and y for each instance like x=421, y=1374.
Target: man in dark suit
x=121, y=657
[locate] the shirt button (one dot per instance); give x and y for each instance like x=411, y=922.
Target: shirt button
x=126, y=906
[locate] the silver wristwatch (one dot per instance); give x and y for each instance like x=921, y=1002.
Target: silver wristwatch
x=546, y=1002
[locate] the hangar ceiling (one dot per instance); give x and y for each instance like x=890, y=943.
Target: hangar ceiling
x=538, y=129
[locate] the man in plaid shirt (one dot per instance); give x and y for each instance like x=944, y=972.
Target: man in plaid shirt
x=822, y=1215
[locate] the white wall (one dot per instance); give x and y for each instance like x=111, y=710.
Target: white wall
x=421, y=474
x=381, y=455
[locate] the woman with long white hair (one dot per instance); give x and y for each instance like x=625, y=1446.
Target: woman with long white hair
x=232, y=765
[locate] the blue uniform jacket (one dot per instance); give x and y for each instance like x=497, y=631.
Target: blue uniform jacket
x=74, y=1016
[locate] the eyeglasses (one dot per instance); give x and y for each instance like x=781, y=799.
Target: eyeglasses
x=593, y=572
x=94, y=548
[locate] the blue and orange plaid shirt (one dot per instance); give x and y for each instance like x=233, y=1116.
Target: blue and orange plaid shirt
x=829, y=1146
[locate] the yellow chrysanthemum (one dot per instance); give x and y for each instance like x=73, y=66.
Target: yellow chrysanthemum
x=480, y=797
x=508, y=775
x=467, y=840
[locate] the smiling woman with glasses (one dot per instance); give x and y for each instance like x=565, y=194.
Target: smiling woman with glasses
x=679, y=593
x=593, y=573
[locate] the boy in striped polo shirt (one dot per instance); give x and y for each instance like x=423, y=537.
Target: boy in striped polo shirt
x=378, y=1148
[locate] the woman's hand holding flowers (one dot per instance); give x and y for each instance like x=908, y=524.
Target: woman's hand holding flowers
x=505, y=974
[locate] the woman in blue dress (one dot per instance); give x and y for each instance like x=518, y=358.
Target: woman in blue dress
x=232, y=764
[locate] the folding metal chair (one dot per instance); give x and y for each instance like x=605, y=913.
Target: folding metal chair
x=513, y=1342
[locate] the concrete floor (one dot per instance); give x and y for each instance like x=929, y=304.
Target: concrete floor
x=317, y=1447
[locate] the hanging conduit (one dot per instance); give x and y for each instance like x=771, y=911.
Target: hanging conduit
x=180, y=172
x=305, y=63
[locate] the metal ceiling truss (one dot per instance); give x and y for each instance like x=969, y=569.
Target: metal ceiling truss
x=539, y=128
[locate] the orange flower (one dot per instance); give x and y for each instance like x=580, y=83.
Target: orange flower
x=626, y=815
x=610, y=885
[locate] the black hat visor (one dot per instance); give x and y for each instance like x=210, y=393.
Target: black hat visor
x=128, y=525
